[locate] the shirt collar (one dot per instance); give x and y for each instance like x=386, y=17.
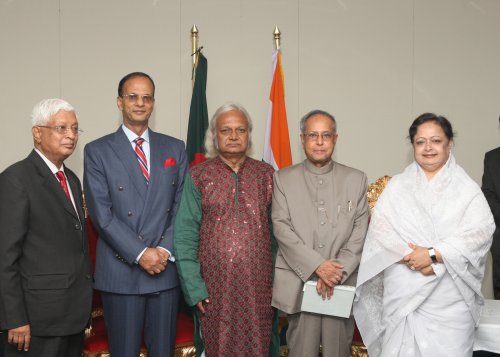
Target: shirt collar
x=131, y=136
x=49, y=163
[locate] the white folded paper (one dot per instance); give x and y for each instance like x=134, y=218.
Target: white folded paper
x=339, y=305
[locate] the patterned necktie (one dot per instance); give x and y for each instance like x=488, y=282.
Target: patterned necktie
x=63, y=183
x=141, y=157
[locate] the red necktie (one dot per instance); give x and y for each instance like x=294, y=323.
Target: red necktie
x=141, y=157
x=63, y=183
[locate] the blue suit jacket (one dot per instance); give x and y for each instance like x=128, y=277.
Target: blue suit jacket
x=129, y=214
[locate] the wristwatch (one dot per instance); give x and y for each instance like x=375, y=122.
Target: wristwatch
x=432, y=254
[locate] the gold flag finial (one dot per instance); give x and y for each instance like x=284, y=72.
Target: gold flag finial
x=194, y=50
x=277, y=37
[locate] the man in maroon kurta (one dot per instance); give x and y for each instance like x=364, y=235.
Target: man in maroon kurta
x=223, y=243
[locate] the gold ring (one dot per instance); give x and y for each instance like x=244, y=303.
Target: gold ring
x=412, y=267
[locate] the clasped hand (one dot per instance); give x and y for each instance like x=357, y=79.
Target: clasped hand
x=154, y=260
x=419, y=260
x=329, y=274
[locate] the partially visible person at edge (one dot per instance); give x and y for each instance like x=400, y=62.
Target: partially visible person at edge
x=223, y=241
x=320, y=217
x=491, y=190
x=45, y=273
x=133, y=181
x=419, y=283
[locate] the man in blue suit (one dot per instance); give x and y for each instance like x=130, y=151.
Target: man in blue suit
x=133, y=181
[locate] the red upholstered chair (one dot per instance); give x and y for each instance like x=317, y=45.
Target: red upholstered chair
x=96, y=342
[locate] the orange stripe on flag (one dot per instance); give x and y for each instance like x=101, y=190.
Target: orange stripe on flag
x=280, y=139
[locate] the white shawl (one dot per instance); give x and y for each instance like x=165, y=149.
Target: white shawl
x=449, y=213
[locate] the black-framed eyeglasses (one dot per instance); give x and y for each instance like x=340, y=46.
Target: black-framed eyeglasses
x=63, y=129
x=133, y=98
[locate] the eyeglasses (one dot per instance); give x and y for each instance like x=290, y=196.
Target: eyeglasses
x=63, y=129
x=313, y=135
x=133, y=98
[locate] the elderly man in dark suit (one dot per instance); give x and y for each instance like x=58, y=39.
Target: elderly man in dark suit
x=133, y=181
x=45, y=278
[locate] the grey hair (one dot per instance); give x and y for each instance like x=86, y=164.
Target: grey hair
x=48, y=107
x=313, y=113
x=211, y=145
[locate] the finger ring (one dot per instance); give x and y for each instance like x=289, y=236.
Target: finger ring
x=164, y=262
x=412, y=267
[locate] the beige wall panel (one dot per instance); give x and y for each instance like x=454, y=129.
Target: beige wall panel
x=237, y=37
x=457, y=52
x=101, y=41
x=355, y=61
x=29, y=69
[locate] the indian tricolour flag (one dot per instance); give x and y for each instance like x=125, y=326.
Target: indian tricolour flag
x=277, y=151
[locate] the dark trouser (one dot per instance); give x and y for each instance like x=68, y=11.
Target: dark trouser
x=127, y=317
x=496, y=275
x=63, y=346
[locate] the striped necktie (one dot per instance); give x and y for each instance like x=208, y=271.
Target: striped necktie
x=141, y=157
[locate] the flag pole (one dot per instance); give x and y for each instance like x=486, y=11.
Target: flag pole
x=194, y=51
x=277, y=37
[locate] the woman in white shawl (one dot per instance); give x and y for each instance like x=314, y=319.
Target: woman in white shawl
x=420, y=276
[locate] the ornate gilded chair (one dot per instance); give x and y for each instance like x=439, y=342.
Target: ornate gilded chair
x=358, y=348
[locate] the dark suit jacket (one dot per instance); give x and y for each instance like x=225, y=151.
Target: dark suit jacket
x=491, y=190
x=45, y=278
x=129, y=214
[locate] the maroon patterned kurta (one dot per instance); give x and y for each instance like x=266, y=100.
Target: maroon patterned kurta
x=235, y=256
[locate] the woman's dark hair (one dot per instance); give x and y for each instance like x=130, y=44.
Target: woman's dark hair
x=133, y=75
x=438, y=119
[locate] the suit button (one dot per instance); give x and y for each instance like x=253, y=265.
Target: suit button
x=129, y=213
x=168, y=210
x=322, y=223
x=162, y=237
x=173, y=182
x=321, y=246
x=77, y=226
x=87, y=276
x=141, y=237
x=120, y=188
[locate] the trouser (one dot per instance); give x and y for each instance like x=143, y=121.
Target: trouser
x=307, y=331
x=129, y=317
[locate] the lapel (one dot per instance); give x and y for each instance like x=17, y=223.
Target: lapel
x=75, y=190
x=52, y=184
x=123, y=149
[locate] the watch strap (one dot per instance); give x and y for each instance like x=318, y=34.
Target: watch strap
x=432, y=254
